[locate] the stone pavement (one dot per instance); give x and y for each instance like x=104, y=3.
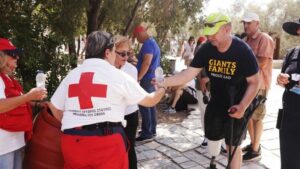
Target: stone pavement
x=178, y=145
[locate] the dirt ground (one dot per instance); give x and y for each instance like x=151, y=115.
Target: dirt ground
x=170, y=118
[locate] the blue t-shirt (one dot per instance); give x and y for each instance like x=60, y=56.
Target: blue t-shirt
x=227, y=71
x=149, y=47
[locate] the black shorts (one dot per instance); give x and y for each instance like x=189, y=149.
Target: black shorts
x=217, y=126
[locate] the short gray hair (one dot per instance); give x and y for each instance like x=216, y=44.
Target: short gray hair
x=97, y=43
x=3, y=59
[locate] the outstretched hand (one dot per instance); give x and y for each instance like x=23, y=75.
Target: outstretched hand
x=158, y=84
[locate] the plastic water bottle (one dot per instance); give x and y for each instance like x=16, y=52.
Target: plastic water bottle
x=40, y=79
x=159, y=75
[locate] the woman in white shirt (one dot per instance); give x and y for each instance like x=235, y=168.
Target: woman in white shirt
x=131, y=113
x=188, y=51
x=15, y=113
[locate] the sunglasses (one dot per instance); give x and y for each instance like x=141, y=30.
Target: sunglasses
x=123, y=54
x=213, y=24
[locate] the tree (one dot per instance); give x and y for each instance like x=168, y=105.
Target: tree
x=133, y=14
x=42, y=27
x=93, y=15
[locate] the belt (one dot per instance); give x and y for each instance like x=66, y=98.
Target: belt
x=95, y=132
x=99, y=126
x=99, y=129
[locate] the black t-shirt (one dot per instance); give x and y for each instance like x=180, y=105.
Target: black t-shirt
x=227, y=71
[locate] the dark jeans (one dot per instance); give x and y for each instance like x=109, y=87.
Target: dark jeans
x=148, y=113
x=130, y=130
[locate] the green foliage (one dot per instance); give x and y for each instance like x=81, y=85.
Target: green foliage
x=42, y=27
x=166, y=64
x=28, y=29
x=117, y=15
x=169, y=16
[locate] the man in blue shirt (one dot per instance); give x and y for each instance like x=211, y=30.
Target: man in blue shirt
x=148, y=61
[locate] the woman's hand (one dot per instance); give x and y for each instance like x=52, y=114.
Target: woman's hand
x=283, y=79
x=37, y=94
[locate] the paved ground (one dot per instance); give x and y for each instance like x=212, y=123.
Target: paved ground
x=178, y=145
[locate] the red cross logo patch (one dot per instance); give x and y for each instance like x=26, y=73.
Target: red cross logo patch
x=85, y=90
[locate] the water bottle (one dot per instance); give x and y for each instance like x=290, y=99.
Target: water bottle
x=159, y=75
x=40, y=79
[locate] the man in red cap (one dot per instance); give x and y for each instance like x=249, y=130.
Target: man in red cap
x=15, y=112
x=148, y=61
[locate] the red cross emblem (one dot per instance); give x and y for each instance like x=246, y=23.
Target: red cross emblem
x=85, y=89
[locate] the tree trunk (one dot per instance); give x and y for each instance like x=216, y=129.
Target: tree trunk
x=72, y=53
x=133, y=13
x=78, y=46
x=101, y=18
x=93, y=13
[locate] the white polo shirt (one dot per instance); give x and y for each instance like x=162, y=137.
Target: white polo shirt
x=132, y=71
x=95, y=92
x=9, y=141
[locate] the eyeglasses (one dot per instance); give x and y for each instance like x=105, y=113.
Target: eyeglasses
x=123, y=54
x=213, y=24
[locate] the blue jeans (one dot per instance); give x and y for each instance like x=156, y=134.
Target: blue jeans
x=148, y=113
x=12, y=160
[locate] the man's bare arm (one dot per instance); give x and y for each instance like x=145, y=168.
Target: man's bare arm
x=145, y=65
x=182, y=77
x=262, y=62
x=252, y=89
x=153, y=98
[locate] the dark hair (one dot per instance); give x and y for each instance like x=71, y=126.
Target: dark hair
x=97, y=43
x=191, y=38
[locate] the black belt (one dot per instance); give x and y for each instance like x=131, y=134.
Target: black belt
x=104, y=128
x=95, y=132
x=100, y=125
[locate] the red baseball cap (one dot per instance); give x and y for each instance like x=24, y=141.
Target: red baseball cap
x=138, y=29
x=201, y=39
x=7, y=47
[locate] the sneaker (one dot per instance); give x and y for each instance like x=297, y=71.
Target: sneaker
x=170, y=110
x=140, y=132
x=252, y=156
x=164, y=106
x=204, y=143
x=223, y=151
x=142, y=139
x=247, y=148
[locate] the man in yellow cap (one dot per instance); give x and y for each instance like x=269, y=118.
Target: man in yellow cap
x=233, y=72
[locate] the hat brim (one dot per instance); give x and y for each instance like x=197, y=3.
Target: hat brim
x=291, y=28
x=212, y=30
x=249, y=20
x=14, y=53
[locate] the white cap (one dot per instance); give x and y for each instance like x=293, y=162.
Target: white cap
x=250, y=16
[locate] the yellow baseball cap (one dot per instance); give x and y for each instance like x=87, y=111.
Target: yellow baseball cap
x=213, y=23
